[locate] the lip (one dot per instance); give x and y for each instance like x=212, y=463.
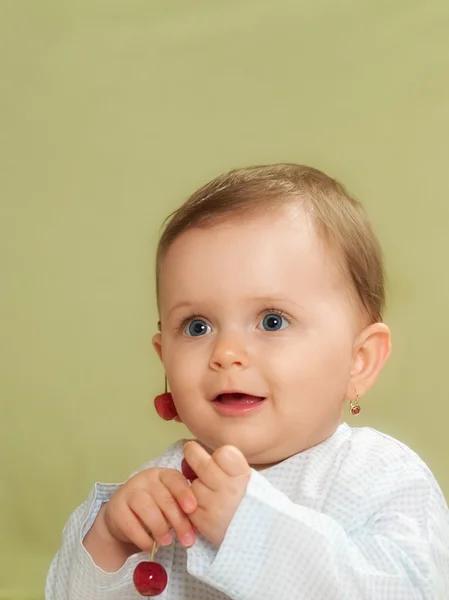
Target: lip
x=237, y=409
x=234, y=391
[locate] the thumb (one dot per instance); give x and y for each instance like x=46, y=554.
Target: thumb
x=232, y=461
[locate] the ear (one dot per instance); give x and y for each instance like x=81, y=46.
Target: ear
x=371, y=352
x=157, y=344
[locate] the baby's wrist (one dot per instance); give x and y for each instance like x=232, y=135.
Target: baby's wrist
x=107, y=552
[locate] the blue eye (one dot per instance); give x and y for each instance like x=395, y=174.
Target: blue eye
x=274, y=322
x=196, y=328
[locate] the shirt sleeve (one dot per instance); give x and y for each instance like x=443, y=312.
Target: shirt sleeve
x=73, y=575
x=276, y=549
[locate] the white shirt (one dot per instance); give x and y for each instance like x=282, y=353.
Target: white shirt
x=358, y=517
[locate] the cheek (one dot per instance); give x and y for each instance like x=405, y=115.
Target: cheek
x=183, y=367
x=318, y=362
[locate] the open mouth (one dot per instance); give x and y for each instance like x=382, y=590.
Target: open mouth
x=238, y=399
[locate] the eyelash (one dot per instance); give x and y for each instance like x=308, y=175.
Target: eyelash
x=269, y=311
x=185, y=321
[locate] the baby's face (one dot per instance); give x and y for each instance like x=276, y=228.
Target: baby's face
x=257, y=305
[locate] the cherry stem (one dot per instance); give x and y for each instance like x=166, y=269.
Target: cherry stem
x=153, y=551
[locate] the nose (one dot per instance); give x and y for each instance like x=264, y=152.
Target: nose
x=227, y=353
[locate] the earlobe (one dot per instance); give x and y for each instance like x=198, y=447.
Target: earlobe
x=157, y=344
x=371, y=352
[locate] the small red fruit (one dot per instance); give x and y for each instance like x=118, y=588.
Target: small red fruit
x=187, y=471
x=165, y=407
x=150, y=578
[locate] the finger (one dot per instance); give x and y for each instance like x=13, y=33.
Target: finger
x=135, y=531
x=203, y=465
x=177, y=519
x=148, y=512
x=177, y=485
x=204, y=496
x=200, y=517
x=232, y=461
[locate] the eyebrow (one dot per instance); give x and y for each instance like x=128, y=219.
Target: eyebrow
x=269, y=300
x=184, y=304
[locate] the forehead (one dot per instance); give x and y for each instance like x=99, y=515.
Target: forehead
x=276, y=253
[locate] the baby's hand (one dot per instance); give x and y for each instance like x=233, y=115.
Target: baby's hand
x=219, y=488
x=150, y=503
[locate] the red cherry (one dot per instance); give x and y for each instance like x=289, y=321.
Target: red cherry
x=165, y=407
x=150, y=578
x=187, y=471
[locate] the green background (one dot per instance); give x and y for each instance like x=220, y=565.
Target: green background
x=111, y=113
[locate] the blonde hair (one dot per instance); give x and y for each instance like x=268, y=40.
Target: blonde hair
x=339, y=218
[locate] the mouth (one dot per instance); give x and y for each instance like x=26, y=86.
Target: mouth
x=238, y=398
x=237, y=403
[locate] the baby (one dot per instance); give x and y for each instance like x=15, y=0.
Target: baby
x=270, y=288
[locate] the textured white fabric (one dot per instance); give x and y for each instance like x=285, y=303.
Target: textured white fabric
x=358, y=517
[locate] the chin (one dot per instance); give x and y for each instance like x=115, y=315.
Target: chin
x=257, y=457
x=215, y=441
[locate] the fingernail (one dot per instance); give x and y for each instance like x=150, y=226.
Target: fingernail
x=189, y=505
x=188, y=539
x=166, y=540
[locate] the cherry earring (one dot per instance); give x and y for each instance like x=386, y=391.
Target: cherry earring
x=165, y=407
x=354, y=406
